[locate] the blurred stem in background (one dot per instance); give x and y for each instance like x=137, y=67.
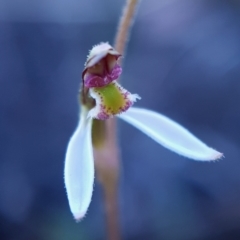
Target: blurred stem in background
x=104, y=135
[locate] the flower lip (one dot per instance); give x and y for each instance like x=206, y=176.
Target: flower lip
x=111, y=100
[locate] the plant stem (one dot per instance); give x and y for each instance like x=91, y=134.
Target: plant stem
x=107, y=168
x=107, y=156
x=125, y=24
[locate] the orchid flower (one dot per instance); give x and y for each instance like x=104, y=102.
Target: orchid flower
x=110, y=99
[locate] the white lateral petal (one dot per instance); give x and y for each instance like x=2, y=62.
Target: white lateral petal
x=169, y=134
x=79, y=168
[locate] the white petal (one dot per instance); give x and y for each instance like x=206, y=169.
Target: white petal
x=79, y=168
x=169, y=134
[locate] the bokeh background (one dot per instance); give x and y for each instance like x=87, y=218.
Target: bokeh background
x=183, y=59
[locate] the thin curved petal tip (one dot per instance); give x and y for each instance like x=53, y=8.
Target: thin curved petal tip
x=170, y=134
x=79, y=169
x=217, y=155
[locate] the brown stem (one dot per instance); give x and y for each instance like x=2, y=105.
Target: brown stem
x=107, y=168
x=107, y=154
x=111, y=208
x=125, y=24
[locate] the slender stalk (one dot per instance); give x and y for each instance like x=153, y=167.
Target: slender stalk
x=107, y=168
x=111, y=208
x=107, y=155
x=125, y=24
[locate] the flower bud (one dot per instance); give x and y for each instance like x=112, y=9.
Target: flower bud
x=101, y=67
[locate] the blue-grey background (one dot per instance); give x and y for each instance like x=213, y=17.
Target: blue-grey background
x=183, y=59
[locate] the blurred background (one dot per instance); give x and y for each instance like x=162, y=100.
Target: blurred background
x=183, y=59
